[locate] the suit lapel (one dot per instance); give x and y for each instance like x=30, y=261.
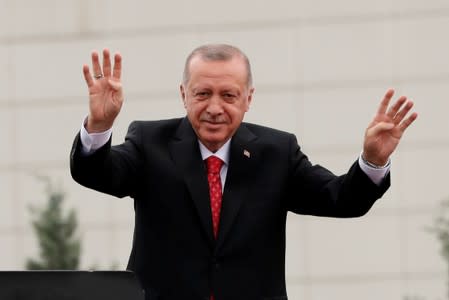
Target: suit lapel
x=243, y=157
x=185, y=153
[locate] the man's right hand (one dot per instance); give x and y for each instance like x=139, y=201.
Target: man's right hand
x=105, y=91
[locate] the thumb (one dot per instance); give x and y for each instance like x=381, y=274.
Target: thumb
x=115, y=85
x=379, y=127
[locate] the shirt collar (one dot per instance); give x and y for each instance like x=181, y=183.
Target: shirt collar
x=222, y=153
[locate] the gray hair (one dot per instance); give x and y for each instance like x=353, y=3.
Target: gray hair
x=216, y=52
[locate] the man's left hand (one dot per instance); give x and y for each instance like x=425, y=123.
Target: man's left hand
x=385, y=131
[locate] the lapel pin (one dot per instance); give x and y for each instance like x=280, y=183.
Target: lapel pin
x=246, y=153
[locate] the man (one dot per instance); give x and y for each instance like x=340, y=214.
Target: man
x=219, y=234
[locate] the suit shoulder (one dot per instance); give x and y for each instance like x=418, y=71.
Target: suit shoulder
x=152, y=131
x=268, y=132
x=167, y=125
x=157, y=123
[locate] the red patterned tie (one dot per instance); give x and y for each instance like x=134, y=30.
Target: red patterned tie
x=213, y=177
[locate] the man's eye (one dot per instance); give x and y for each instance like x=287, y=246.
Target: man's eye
x=228, y=97
x=201, y=94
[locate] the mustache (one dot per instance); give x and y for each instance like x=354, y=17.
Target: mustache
x=214, y=120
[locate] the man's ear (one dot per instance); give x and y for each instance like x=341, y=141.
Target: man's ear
x=250, y=98
x=183, y=94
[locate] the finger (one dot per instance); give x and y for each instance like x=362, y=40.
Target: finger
x=403, y=112
x=96, y=64
x=87, y=76
x=106, y=63
x=384, y=103
x=396, y=106
x=407, y=122
x=117, y=72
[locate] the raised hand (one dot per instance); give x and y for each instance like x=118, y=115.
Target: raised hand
x=105, y=91
x=385, y=131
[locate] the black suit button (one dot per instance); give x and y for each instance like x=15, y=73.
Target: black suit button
x=215, y=263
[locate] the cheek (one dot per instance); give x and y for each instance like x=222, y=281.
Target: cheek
x=236, y=113
x=194, y=111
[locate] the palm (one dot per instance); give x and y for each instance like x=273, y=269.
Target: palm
x=105, y=92
x=104, y=101
x=385, y=131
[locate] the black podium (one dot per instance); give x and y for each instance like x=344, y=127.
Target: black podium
x=69, y=285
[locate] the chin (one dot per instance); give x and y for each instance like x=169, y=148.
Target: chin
x=214, y=140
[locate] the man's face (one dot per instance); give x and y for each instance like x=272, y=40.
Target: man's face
x=216, y=98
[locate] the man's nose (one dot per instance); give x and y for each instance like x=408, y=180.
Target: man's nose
x=215, y=106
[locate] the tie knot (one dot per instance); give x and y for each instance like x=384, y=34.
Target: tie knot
x=213, y=164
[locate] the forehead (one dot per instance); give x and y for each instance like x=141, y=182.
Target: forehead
x=232, y=69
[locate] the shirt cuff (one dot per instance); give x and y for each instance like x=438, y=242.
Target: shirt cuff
x=91, y=142
x=376, y=174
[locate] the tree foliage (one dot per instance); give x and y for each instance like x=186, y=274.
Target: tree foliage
x=59, y=245
x=441, y=229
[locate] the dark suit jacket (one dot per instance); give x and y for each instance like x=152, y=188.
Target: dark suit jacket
x=174, y=252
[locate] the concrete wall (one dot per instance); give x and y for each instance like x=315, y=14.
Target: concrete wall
x=320, y=69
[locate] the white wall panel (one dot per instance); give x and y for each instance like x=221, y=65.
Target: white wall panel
x=324, y=8
x=31, y=18
x=423, y=180
x=339, y=116
x=48, y=71
x=7, y=133
x=421, y=247
x=139, y=14
x=6, y=17
x=368, y=289
x=5, y=73
x=46, y=133
x=349, y=51
x=7, y=204
x=353, y=247
x=420, y=47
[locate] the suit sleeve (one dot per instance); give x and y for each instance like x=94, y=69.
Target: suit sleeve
x=111, y=169
x=314, y=190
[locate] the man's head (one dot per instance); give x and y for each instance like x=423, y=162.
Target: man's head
x=216, y=91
